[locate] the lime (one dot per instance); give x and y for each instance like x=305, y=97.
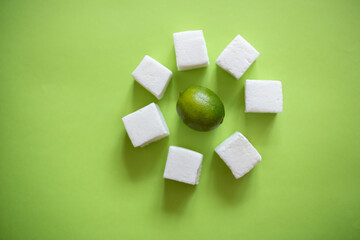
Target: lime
x=200, y=108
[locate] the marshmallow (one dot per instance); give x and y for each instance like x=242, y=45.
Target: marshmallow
x=183, y=165
x=263, y=96
x=238, y=154
x=190, y=50
x=153, y=76
x=237, y=57
x=146, y=125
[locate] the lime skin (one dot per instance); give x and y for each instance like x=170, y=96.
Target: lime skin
x=200, y=108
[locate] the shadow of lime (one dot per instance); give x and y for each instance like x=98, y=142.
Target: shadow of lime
x=176, y=196
x=140, y=162
x=228, y=189
x=193, y=139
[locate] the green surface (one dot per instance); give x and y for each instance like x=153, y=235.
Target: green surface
x=69, y=171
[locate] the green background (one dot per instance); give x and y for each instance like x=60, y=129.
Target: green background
x=69, y=171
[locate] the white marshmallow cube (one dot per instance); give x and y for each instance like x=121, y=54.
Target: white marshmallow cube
x=146, y=125
x=153, y=76
x=190, y=50
x=183, y=165
x=237, y=57
x=263, y=96
x=238, y=154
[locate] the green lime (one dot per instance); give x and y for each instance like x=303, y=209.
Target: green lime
x=200, y=108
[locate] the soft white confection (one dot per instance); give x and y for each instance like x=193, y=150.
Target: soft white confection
x=237, y=57
x=153, y=76
x=263, y=96
x=146, y=125
x=183, y=165
x=238, y=154
x=190, y=50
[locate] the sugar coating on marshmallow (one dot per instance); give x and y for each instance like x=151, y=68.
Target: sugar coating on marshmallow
x=237, y=57
x=238, y=154
x=263, y=96
x=183, y=165
x=153, y=76
x=146, y=125
x=190, y=50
